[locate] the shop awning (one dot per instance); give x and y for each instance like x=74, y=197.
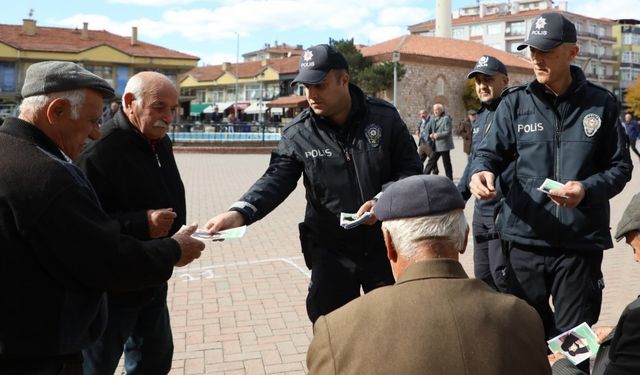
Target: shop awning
x=223, y=106
x=292, y=101
x=196, y=109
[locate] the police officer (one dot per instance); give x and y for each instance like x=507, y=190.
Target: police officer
x=489, y=263
x=347, y=146
x=563, y=127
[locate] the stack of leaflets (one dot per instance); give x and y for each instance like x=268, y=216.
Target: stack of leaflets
x=577, y=344
x=238, y=232
x=348, y=221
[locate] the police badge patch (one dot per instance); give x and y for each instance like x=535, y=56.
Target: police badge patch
x=373, y=133
x=591, y=124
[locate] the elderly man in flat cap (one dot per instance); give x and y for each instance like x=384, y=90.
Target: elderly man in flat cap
x=60, y=251
x=434, y=320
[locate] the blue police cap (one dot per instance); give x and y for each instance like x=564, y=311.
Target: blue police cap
x=549, y=31
x=316, y=62
x=420, y=195
x=488, y=65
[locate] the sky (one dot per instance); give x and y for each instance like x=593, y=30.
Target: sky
x=223, y=30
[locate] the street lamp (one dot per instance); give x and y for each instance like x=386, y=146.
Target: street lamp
x=235, y=105
x=395, y=58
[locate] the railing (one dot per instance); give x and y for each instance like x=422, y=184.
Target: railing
x=221, y=132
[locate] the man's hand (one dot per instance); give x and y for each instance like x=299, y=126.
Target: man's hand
x=368, y=207
x=572, y=190
x=433, y=136
x=482, y=185
x=190, y=247
x=555, y=357
x=226, y=220
x=160, y=221
x=602, y=333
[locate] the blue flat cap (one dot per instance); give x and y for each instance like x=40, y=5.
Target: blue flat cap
x=420, y=195
x=56, y=76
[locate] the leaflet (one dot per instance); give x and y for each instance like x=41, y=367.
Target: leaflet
x=348, y=221
x=220, y=236
x=577, y=344
x=550, y=184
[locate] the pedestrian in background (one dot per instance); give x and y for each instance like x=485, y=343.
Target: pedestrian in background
x=440, y=132
x=632, y=128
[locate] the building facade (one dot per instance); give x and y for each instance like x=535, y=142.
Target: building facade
x=112, y=57
x=627, y=50
x=504, y=26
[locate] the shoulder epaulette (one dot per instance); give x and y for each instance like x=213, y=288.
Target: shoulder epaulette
x=300, y=118
x=595, y=85
x=378, y=101
x=511, y=89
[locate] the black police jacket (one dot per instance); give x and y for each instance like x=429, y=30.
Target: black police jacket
x=342, y=167
x=573, y=137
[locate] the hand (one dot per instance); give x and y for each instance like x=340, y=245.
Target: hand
x=368, y=207
x=160, y=221
x=572, y=190
x=554, y=357
x=226, y=220
x=482, y=186
x=602, y=333
x=190, y=248
x=433, y=136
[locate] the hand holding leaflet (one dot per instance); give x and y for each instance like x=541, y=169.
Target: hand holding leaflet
x=550, y=184
x=348, y=221
x=222, y=235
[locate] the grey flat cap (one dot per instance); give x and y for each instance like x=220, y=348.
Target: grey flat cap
x=630, y=220
x=55, y=76
x=420, y=195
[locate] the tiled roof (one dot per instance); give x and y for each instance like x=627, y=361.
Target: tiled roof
x=54, y=39
x=280, y=49
x=470, y=20
x=444, y=48
x=246, y=69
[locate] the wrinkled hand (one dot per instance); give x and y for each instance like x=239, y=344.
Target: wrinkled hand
x=225, y=220
x=160, y=221
x=572, y=190
x=482, y=185
x=190, y=247
x=602, y=333
x=366, y=207
x=554, y=357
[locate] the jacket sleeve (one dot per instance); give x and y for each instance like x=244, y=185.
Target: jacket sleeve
x=83, y=246
x=405, y=161
x=463, y=184
x=320, y=359
x=617, y=166
x=565, y=367
x=275, y=185
x=445, y=131
x=498, y=146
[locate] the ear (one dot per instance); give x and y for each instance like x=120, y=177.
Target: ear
x=392, y=254
x=345, y=78
x=127, y=100
x=573, y=51
x=466, y=239
x=56, y=109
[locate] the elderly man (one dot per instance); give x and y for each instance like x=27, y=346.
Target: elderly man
x=146, y=196
x=562, y=127
x=60, y=251
x=434, y=320
x=489, y=260
x=439, y=130
x=347, y=147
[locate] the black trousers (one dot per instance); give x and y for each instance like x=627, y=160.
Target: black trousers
x=63, y=365
x=433, y=160
x=489, y=260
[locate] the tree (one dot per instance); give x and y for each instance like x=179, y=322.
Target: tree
x=469, y=96
x=632, y=97
x=371, y=78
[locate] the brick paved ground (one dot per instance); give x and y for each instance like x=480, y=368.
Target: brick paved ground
x=240, y=308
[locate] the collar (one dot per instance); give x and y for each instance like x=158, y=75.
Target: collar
x=25, y=130
x=433, y=269
x=578, y=79
x=121, y=121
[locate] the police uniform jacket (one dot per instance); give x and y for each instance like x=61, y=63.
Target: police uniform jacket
x=434, y=320
x=442, y=127
x=60, y=251
x=575, y=136
x=131, y=175
x=342, y=167
x=480, y=127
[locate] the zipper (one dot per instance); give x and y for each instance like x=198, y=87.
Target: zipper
x=157, y=159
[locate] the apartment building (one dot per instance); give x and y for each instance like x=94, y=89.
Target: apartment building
x=506, y=25
x=627, y=50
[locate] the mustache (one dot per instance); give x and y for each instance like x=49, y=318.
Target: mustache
x=161, y=124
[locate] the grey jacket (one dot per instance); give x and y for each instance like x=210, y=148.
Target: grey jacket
x=442, y=127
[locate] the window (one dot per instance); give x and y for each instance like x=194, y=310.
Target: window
x=476, y=30
x=494, y=29
x=516, y=28
x=7, y=77
x=253, y=91
x=627, y=57
x=578, y=27
x=214, y=96
x=439, y=86
x=457, y=33
x=513, y=47
x=592, y=29
x=601, y=31
x=627, y=38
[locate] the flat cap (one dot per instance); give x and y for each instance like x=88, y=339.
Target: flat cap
x=630, y=220
x=55, y=76
x=316, y=62
x=549, y=31
x=420, y=195
x=488, y=65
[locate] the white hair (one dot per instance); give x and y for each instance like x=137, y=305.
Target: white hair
x=405, y=233
x=136, y=86
x=34, y=104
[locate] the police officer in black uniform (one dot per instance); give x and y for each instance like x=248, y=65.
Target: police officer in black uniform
x=489, y=262
x=347, y=147
x=563, y=127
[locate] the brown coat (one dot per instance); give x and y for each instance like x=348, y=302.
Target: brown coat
x=464, y=131
x=434, y=320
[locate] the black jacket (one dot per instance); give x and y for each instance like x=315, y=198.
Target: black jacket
x=342, y=167
x=130, y=176
x=576, y=136
x=60, y=251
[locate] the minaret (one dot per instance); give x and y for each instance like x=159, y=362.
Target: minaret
x=443, y=18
